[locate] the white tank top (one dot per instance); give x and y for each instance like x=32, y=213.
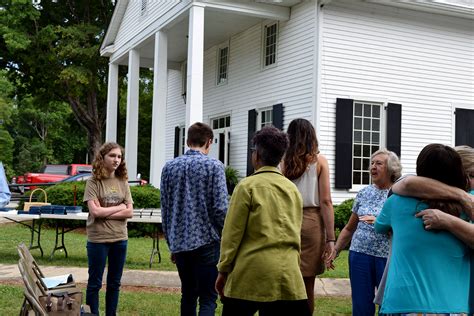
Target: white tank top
x=308, y=186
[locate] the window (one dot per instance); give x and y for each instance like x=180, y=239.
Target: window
x=363, y=127
x=270, y=38
x=221, y=147
x=143, y=7
x=258, y=118
x=220, y=122
x=222, y=64
x=366, y=139
x=264, y=118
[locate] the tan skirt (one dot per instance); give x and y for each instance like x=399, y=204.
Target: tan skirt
x=313, y=242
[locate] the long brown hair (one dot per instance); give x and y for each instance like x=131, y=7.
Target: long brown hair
x=303, y=148
x=442, y=163
x=98, y=168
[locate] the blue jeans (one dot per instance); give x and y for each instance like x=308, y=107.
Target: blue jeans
x=97, y=254
x=197, y=270
x=365, y=273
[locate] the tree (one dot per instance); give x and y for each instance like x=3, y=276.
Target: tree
x=6, y=109
x=51, y=52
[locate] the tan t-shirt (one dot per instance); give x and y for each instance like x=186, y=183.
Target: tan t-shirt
x=109, y=192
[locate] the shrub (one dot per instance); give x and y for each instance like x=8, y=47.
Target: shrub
x=231, y=178
x=342, y=212
x=72, y=194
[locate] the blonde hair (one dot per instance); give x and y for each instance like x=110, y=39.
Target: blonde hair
x=394, y=167
x=467, y=157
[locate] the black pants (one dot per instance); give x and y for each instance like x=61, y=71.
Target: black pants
x=237, y=307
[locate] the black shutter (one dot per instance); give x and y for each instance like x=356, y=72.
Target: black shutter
x=252, y=127
x=344, y=121
x=177, y=130
x=277, y=119
x=464, y=134
x=394, y=127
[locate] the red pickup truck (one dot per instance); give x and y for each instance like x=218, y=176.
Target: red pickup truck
x=52, y=173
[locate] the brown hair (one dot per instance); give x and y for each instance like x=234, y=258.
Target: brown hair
x=98, y=169
x=442, y=163
x=199, y=134
x=303, y=148
x=270, y=144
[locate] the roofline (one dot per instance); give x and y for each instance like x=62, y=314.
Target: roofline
x=112, y=30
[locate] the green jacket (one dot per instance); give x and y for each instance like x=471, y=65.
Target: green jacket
x=261, y=240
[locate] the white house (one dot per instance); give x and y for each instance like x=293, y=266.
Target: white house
x=367, y=73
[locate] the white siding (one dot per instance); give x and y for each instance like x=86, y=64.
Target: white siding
x=135, y=25
x=291, y=82
x=423, y=61
x=175, y=110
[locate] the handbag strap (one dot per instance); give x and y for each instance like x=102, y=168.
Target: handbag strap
x=39, y=189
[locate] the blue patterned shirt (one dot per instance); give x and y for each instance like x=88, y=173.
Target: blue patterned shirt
x=369, y=201
x=193, y=201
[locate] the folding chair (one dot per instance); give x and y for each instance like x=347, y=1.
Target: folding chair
x=26, y=256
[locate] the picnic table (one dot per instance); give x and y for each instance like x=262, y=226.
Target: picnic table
x=34, y=221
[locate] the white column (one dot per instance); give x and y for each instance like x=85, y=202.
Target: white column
x=112, y=104
x=131, y=129
x=160, y=89
x=194, y=85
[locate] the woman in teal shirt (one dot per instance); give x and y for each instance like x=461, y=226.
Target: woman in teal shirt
x=429, y=271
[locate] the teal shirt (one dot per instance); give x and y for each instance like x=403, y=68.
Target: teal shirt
x=429, y=270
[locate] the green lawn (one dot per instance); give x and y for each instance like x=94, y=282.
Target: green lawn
x=138, y=255
x=163, y=304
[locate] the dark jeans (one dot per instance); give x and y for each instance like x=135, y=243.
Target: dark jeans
x=97, y=254
x=198, y=273
x=365, y=273
x=237, y=307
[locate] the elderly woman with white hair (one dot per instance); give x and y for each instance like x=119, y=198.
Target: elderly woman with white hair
x=369, y=250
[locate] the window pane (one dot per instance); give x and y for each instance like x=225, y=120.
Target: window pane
x=367, y=110
x=375, y=138
x=356, y=177
x=374, y=149
x=227, y=121
x=357, y=123
x=215, y=124
x=366, y=137
x=365, y=164
x=367, y=124
x=221, y=122
x=357, y=137
x=365, y=178
x=357, y=163
x=358, y=109
x=357, y=150
x=366, y=150
x=376, y=111
x=375, y=124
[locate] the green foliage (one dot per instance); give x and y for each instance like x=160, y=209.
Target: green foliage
x=51, y=52
x=342, y=212
x=231, y=175
x=72, y=193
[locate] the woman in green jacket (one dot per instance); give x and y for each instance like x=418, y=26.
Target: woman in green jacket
x=259, y=262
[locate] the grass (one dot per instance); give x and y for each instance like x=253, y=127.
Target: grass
x=163, y=304
x=138, y=256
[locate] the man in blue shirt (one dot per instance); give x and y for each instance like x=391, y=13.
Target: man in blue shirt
x=193, y=208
